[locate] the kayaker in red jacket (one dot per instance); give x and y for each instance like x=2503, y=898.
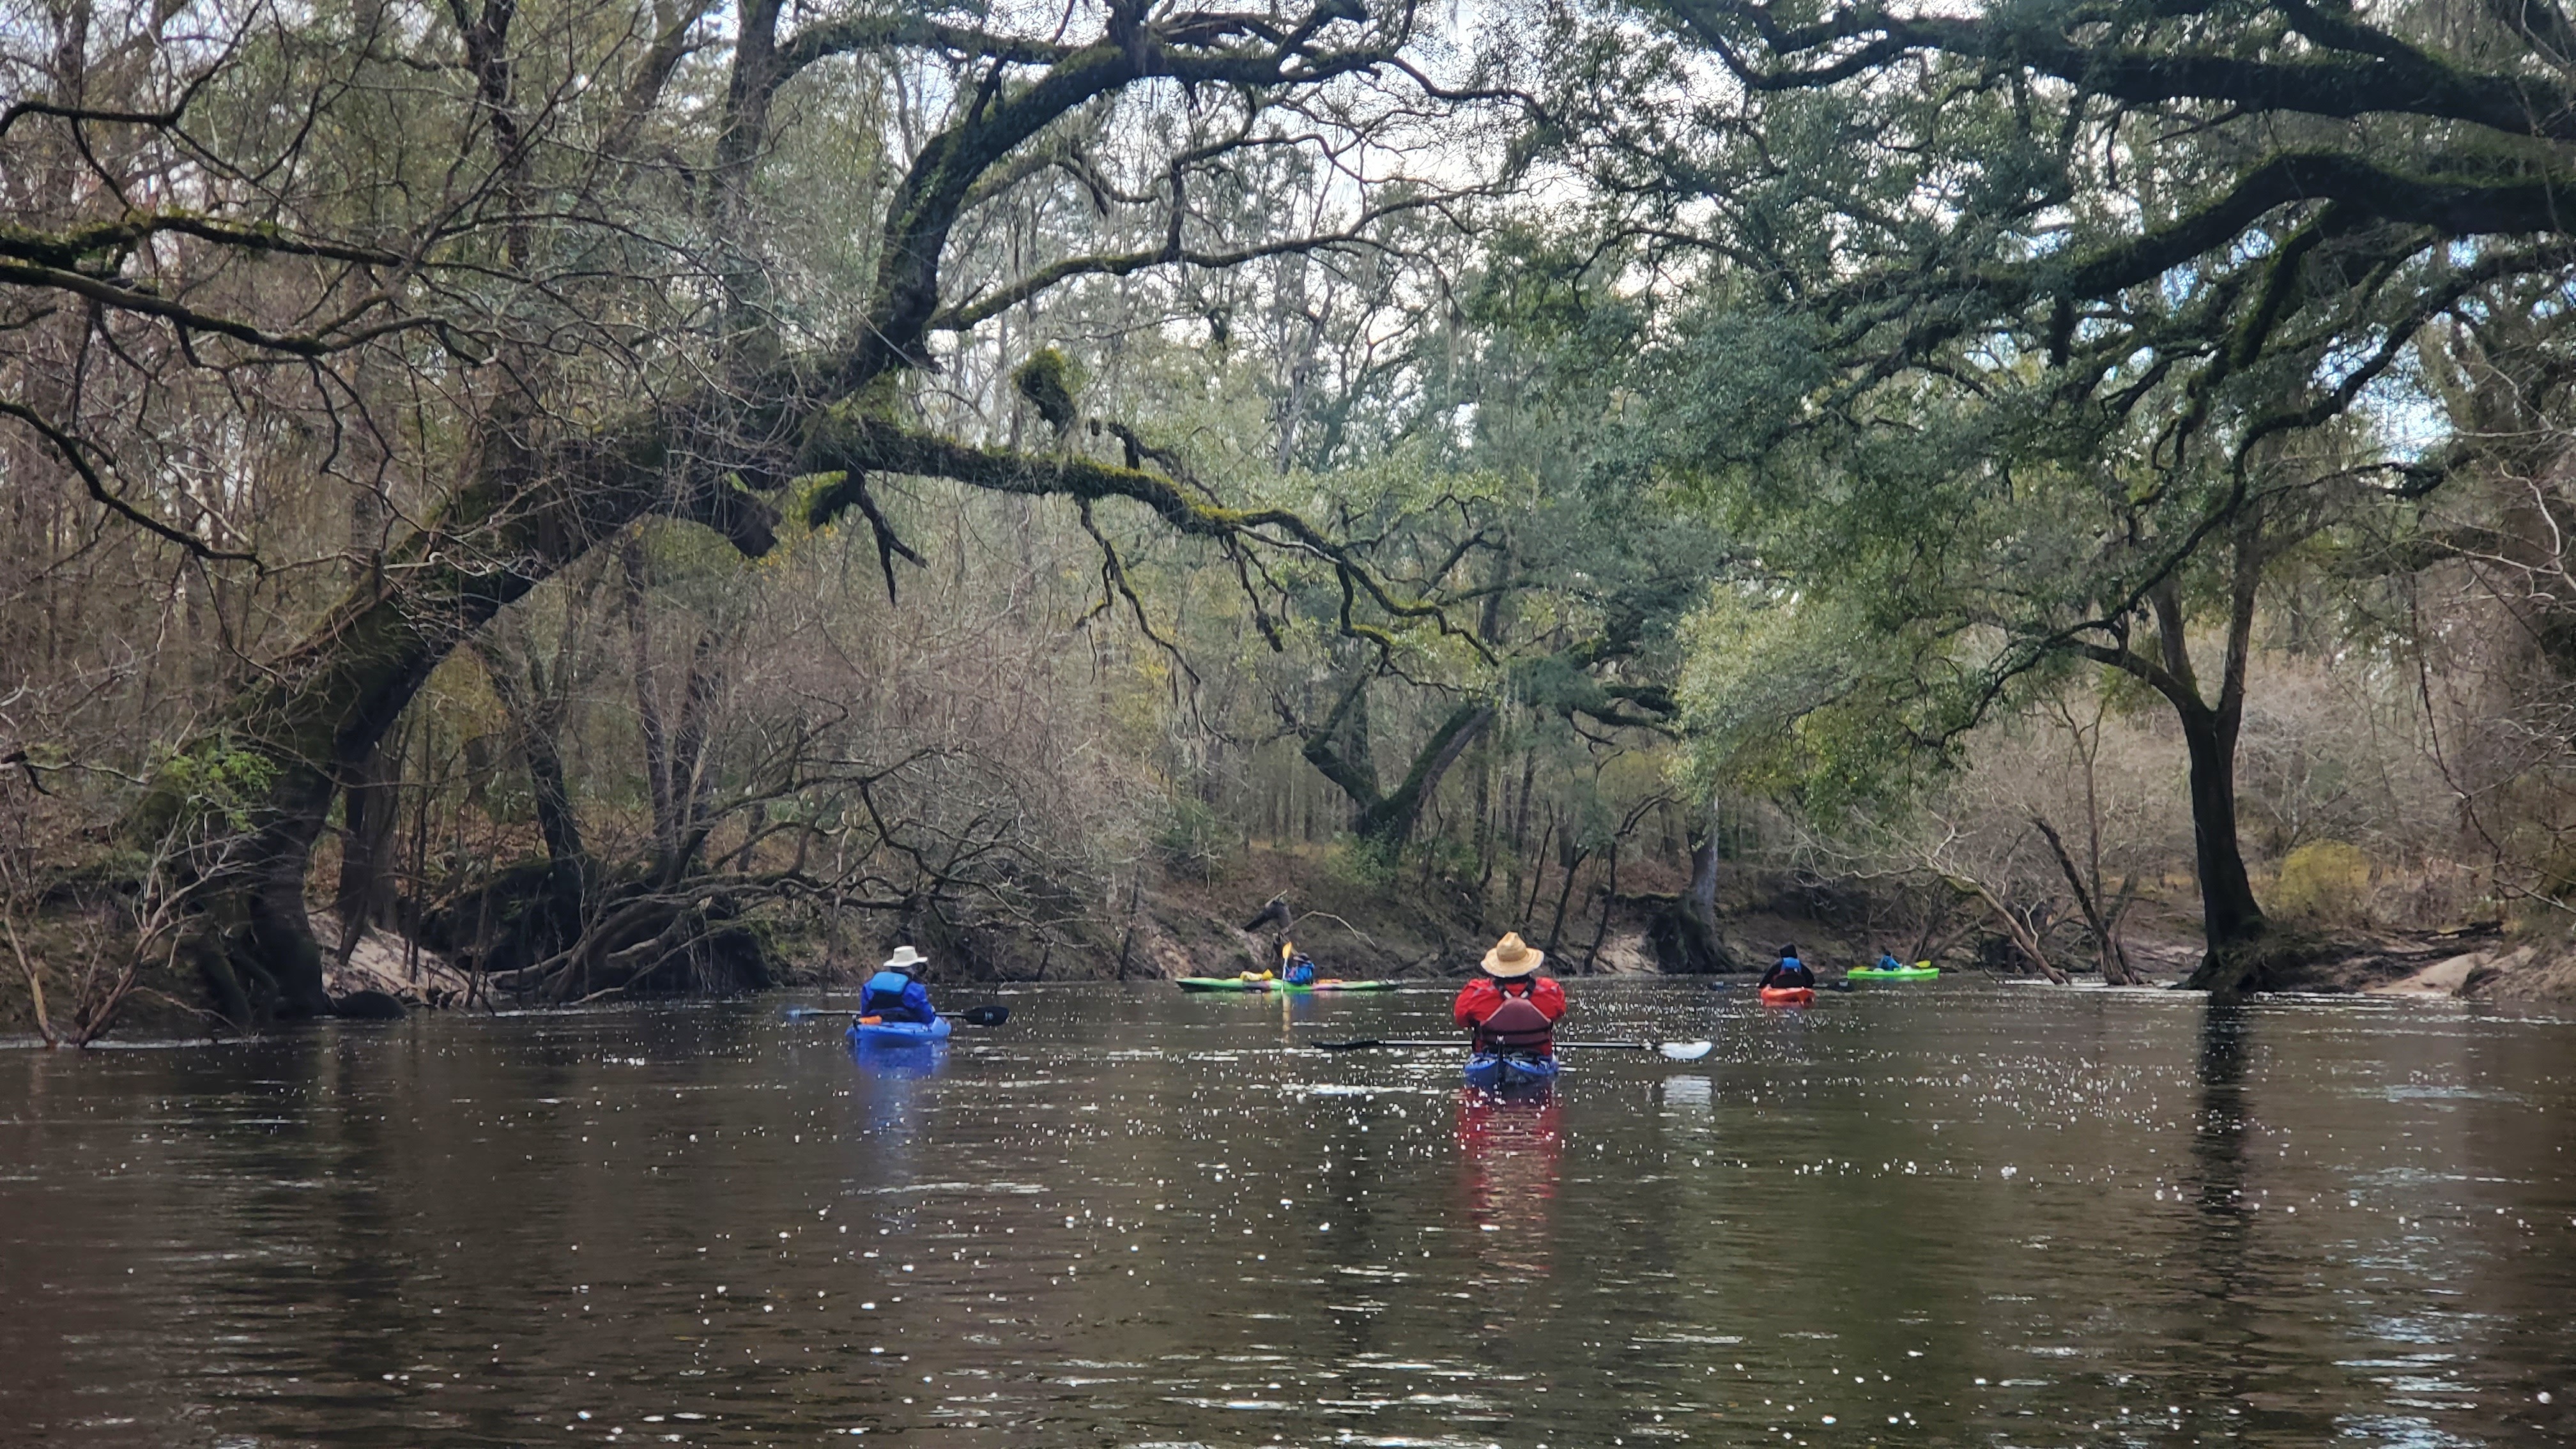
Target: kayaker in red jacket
x=1509, y=1006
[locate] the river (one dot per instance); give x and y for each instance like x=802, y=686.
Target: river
x=1923, y=1215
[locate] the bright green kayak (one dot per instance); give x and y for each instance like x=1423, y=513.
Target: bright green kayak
x=1266, y=983
x=1902, y=973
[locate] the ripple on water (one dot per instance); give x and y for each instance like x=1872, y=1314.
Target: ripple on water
x=1130, y=1221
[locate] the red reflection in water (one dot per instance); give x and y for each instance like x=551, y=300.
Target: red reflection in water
x=1508, y=1149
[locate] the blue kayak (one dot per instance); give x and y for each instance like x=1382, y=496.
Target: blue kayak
x=1495, y=1071
x=899, y=1033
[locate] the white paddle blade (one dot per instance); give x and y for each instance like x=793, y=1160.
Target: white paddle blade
x=1685, y=1051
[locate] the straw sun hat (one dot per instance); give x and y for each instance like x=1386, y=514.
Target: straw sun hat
x=1512, y=956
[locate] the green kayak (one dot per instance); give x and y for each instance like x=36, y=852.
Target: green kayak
x=1902, y=973
x=1272, y=983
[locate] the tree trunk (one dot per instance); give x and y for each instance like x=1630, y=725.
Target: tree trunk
x=277, y=934
x=1685, y=933
x=1609, y=898
x=2237, y=959
x=1484, y=831
x=1707, y=851
x=1519, y=809
x=369, y=810
x=1341, y=751
x=2234, y=923
x=1571, y=857
x=1388, y=822
x=536, y=717
x=1339, y=748
x=1538, y=870
x=2023, y=934
x=648, y=711
x=2098, y=919
x=692, y=782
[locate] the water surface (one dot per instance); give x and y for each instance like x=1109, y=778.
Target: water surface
x=1945, y=1215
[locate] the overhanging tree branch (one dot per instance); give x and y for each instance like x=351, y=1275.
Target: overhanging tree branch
x=848, y=439
x=2360, y=71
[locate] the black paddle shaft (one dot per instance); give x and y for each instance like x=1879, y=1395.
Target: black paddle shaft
x=991, y=1014
x=1398, y=1042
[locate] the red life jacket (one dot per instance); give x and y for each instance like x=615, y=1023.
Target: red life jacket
x=1516, y=1025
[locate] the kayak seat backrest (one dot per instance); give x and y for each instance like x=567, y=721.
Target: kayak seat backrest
x=1516, y=1023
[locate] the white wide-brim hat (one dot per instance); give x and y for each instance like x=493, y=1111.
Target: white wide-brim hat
x=905, y=959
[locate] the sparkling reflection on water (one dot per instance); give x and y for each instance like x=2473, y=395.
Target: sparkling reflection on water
x=1917, y=1215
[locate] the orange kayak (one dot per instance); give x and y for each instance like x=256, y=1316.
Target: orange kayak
x=1788, y=995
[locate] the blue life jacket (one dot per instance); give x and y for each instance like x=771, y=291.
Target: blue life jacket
x=897, y=997
x=1889, y=963
x=1300, y=972
x=1790, y=972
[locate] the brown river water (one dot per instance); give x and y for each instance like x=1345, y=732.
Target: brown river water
x=1911, y=1215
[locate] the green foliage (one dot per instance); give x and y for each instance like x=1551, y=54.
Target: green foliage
x=1448, y=858
x=1365, y=863
x=216, y=780
x=1803, y=697
x=1967, y=362
x=1051, y=382
x=2324, y=881
x=1195, y=839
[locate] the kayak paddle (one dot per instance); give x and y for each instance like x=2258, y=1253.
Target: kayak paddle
x=992, y=1015
x=1678, y=1051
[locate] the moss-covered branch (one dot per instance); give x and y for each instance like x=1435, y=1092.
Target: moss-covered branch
x=847, y=439
x=2345, y=69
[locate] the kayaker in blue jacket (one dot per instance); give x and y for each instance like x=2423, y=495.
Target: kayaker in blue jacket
x=1294, y=967
x=1887, y=960
x=1788, y=971
x=895, y=993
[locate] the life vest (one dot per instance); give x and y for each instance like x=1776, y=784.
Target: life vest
x=885, y=994
x=1516, y=1025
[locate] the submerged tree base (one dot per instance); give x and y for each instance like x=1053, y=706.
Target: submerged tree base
x=2286, y=957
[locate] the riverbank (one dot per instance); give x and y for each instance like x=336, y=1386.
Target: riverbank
x=1403, y=924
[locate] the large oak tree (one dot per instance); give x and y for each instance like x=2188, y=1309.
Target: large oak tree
x=546, y=224
x=2034, y=333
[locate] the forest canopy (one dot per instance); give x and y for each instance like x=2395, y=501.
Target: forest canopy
x=631, y=497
